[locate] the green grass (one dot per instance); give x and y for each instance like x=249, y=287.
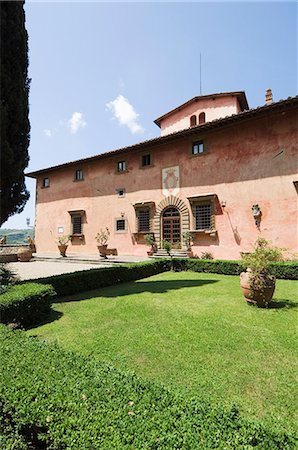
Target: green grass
x=193, y=332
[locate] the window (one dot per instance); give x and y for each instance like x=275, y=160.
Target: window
x=143, y=220
x=198, y=148
x=76, y=224
x=193, y=121
x=146, y=160
x=203, y=216
x=120, y=225
x=79, y=176
x=45, y=182
x=202, y=118
x=120, y=192
x=121, y=166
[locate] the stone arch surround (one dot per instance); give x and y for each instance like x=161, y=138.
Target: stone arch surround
x=166, y=203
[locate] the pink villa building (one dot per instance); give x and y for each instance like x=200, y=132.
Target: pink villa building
x=220, y=170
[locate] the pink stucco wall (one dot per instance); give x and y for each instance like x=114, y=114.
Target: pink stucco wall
x=252, y=162
x=214, y=108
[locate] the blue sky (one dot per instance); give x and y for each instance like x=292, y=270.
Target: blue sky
x=102, y=72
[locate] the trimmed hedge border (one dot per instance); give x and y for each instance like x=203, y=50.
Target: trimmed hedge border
x=26, y=303
x=84, y=280
x=62, y=400
x=281, y=270
x=72, y=283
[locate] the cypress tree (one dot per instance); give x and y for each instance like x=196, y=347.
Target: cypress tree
x=15, y=126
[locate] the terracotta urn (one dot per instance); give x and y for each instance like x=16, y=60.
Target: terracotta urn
x=103, y=250
x=24, y=254
x=260, y=297
x=62, y=249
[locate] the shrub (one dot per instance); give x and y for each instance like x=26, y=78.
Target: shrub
x=7, y=278
x=283, y=270
x=71, y=283
x=61, y=400
x=206, y=255
x=24, y=304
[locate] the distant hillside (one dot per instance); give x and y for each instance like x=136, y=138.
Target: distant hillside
x=16, y=236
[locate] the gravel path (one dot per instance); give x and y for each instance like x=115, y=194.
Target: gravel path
x=38, y=269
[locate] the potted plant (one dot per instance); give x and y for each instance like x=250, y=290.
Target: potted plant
x=62, y=244
x=187, y=240
x=257, y=283
x=102, y=238
x=150, y=241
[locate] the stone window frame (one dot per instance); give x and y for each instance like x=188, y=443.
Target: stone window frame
x=125, y=225
x=122, y=161
x=201, y=200
x=144, y=206
x=121, y=192
x=75, y=215
x=78, y=175
x=146, y=166
x=198, y=142
x=45, y=183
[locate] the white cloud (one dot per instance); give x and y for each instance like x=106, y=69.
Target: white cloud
x=75, y=122
x=47, y=132
x=124, y=112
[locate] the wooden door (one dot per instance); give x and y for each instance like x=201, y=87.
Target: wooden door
x=171, y=226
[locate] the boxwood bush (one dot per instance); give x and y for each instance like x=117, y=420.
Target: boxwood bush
x=284, y=270
x=24, y=304
x=71, y=283
x=55, y=399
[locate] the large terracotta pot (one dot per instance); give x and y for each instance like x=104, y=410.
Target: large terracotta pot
x=62, y=250
x=24, y=254
x=259, y=297
x=102, y=250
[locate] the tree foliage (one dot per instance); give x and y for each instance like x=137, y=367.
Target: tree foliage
x=15, y=126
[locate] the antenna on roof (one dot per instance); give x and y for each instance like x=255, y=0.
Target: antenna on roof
x=200, y=74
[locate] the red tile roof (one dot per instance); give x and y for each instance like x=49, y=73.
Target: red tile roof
x=289, y=103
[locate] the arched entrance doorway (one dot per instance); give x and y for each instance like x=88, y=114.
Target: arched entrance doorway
x=171, y=226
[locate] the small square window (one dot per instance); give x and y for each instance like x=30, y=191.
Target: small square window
x=198, y=148
x=79, y=176
x=120, y=225
x=121, y=166
x=146, y=160
x=120, y=192
x=46, y=182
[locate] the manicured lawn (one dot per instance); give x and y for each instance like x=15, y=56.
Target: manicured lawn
x=193, y=332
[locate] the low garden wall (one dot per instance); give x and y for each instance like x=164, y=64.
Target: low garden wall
x=8, y=252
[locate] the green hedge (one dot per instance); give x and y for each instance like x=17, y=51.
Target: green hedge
x=61, y=400
x=25, y=303
x=71, y=283
x=282, y=270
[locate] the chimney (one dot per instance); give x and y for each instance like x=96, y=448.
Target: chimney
x=269, y=98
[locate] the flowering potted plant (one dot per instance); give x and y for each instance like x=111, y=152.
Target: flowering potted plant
x=257, y=283
x=102, y=238
x=62, y=242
